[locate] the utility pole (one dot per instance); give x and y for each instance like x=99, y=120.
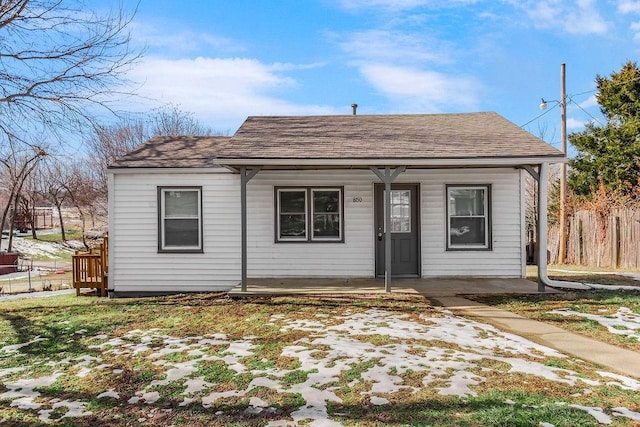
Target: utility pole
x=562, y=250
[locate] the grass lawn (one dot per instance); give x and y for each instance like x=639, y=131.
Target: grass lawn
x=206, y=360
x=69, y=233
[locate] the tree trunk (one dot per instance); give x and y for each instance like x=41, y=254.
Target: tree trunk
x=82, y=218
x=6, y=208
x=64, y=236
x=13, y=221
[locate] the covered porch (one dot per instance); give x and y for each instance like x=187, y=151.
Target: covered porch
x=427, y=287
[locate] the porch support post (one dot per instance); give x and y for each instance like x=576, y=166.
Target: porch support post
x=245, y=177
x=387, y=177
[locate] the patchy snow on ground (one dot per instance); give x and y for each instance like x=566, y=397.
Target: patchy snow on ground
x=444, y=351
x=30, y=248
x=623, y=322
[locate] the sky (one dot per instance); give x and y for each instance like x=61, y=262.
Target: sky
x=225, y=60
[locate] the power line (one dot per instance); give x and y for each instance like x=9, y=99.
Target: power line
x=570, y=97
x=585, y=111
x=540, y=115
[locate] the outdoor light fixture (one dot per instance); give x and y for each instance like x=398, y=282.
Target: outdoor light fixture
x=543, y=104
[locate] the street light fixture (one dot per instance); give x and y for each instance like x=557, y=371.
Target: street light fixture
x=543, y=104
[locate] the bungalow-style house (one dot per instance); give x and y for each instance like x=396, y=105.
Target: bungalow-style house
x=323, y=196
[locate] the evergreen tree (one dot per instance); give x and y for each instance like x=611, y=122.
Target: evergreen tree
x=611, y=153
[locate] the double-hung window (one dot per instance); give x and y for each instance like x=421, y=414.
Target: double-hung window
x=468, y=217
x=180, y=219
x=309, y=214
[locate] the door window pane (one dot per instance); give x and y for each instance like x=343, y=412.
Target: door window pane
x=400, y=211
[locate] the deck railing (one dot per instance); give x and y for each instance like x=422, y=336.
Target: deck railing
x=90, y=269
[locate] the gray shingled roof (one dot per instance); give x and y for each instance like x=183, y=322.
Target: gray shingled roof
x=419, y=136
x=427, y=136
x=173, y=152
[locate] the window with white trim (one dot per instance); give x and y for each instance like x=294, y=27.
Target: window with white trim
x=180, y=219
x=468, y=217
x=309, y=214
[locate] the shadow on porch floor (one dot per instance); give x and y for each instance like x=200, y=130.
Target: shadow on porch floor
x=428, y=287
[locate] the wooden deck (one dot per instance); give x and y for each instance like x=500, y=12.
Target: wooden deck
x=428, y=287
x=91, y=269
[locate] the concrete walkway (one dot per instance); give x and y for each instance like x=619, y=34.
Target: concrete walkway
x=617, y=359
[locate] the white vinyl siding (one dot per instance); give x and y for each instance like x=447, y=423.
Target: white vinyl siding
x=505, y=258
x=356, y=257
x=138, y=267
x=352, y=256
x=133, y=231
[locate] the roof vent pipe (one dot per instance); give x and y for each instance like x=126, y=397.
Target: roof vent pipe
x=354, y=107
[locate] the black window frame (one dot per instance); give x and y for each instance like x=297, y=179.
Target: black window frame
x=162, y=247
x=309, y=213
x=488, y=246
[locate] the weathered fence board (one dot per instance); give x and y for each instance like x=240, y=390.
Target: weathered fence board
x=612, y=241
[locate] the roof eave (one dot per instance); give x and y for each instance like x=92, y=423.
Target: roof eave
x=434, y=162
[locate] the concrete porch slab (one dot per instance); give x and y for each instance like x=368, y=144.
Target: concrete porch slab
x=427, y=287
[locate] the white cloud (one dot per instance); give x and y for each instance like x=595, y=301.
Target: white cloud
x=221, y=92
x=398, y=5
x=405, y=67
x=574, y=17
x=589, y=102
x=573, y=124
x=628, y=6
x=183, y=41
x=635, y=28
x=396, y=47
x=422, y=90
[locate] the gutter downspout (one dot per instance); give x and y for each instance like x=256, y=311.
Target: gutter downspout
x=543, y=278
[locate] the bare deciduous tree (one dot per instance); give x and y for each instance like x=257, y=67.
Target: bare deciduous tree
x=107, y=144
x=171, y=121
x=60, y=65
x=17, y=167
x=54, y=174
x=110, y=142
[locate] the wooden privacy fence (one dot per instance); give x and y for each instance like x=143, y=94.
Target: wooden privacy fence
x=90, y=269
x=612, y=241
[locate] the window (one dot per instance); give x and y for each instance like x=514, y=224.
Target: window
x=309, y=214
x=180, y=219
x=468, y=211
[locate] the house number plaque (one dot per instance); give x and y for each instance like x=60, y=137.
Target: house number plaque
x=357, y=199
